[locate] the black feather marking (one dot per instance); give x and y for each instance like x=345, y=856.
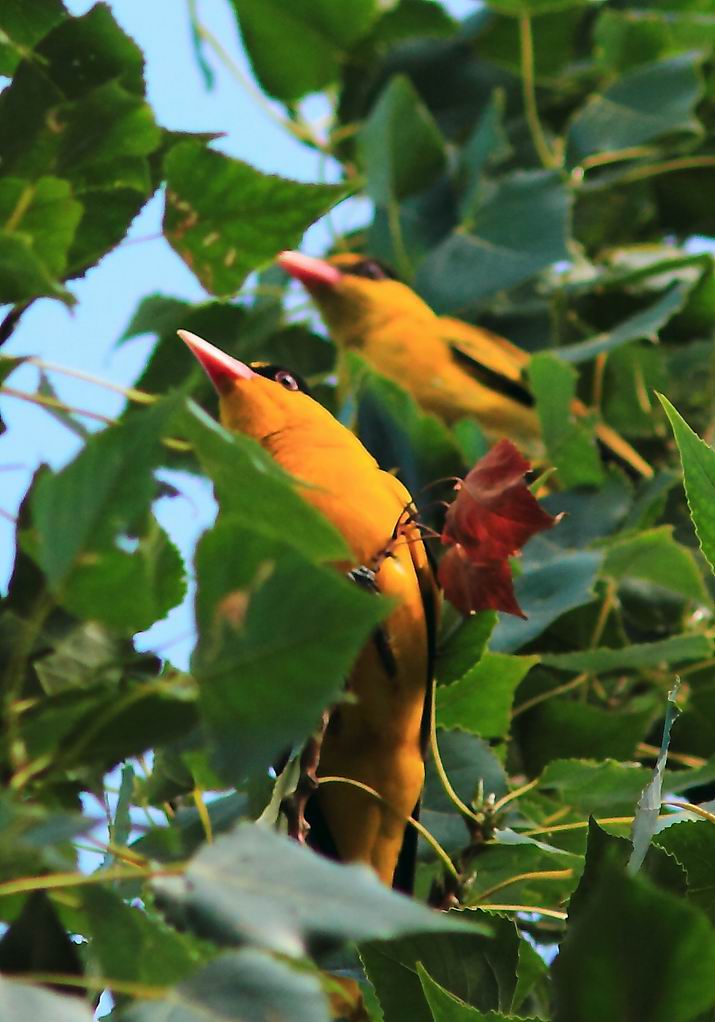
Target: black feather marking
x=491, y=378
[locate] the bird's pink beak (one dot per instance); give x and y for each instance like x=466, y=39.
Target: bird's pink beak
x=221, y=369
x=313, y=273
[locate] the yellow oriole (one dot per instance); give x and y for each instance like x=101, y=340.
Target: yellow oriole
x=451, y=368
x=380, y=738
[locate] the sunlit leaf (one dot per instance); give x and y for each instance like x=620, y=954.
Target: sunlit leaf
x=225, y=218
x=288, y=630
x=480, y=702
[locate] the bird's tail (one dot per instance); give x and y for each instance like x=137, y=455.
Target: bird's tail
x=615, y=444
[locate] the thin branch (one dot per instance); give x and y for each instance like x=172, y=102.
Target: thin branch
x=131, y=393
x=516, y=793
x=419, y=827
x=50, y=402
x=99, y=983
x=546, y=874
x=442, y=773
x=404, y=265
x=536, y=909
x=11, y=320
x=616, y=156
x=645, y=171
x=693, y=762
x=298, y=129
x=543, y=696
x=582, y=825
x=531, y=111
x=203, y=812
x=688, y=807
x=54, y=881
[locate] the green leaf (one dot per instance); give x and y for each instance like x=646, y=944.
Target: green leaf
x=488, y=144
x=400, y=145
x=676, y=649
x=36, y=839
x=471, y=767
x=480, y=701
x=250, y=486
x=256, y=885
x=698, y=460
x=100, y=495
x=606, y=851
x=20, y=1001
x=634, y=952
x=8, y=364
x=463, y=648
x=554, y=44
x=247, y=984
x=480, y=971
x=108, y=127
x=101, y=726
x=645, y=823
x=590, y=514
x=42, y=213
x=532, y=983
x=445, y=1007
x=654, y=556
x=121, y=826
x=22, y=25
x=68, y=419
x=569, y=440
x=270, y=29
x=37, y=941
x=643, y=324
x=509, y=868
x=546, y=591
x=23, y=275
x=136, y=946
x=225, y=218
x=519, y=228
x=288, y=629
x=156, y=314
x=642, y=106
x=128, y=591
x=595, y=788
x=532, y=7
x=627, y=38
x=563, y=729
x=75, y=109
x=399, y=435
x=693, y=845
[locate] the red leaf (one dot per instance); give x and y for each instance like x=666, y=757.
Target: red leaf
x=494, y=514
x=492, y=517
x=470, y=585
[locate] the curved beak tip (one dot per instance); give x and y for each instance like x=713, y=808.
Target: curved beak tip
x=222, y=369
x=309, y=271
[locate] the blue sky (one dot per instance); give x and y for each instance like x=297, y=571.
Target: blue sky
x=85, y=337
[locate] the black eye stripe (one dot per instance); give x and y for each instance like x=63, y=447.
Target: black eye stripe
x=370, y=269
x=287, y=379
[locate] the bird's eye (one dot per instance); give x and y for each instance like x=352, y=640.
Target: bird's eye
x=286, y=380
x=372, y=270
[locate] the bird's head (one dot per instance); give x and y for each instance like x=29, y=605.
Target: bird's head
x=261, y=400
x=354, y=294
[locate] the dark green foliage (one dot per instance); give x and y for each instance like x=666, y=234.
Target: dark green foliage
x=540, y=169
